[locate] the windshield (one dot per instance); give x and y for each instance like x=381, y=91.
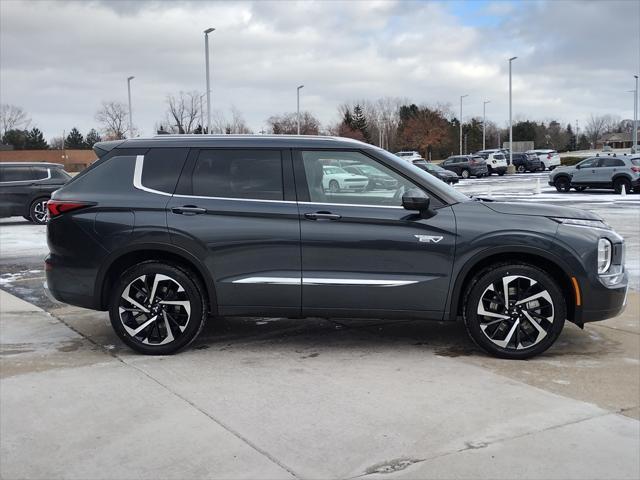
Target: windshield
x=335, y=170
x=429, y=180
x=498, y=156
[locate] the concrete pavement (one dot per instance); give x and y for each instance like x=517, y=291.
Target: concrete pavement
x=258, y=398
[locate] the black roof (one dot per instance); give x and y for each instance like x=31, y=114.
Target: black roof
x=235, y=141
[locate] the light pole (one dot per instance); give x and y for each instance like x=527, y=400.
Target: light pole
x=461, y=97
x=484, y=124
x=206, y=56
x=298, y=107
x=130, y=115
x=510, y=117
x=635, y=116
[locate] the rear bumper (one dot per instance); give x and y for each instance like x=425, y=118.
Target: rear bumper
x=72, y=284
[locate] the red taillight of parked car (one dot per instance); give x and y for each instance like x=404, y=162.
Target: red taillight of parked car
x=58, y=207
x=548, y=156
x=635, y=169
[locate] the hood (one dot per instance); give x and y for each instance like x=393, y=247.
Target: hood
x=540, y=210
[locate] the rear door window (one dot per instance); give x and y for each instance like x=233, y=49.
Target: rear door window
x=40, y=173
x=612, y=162
x=248, y=174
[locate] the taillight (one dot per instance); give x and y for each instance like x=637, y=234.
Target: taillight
x=548, y=156
x=635, y=169
x=58, y=207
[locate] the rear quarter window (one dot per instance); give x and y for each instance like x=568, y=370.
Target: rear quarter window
x=162, y=167
x=15, y=174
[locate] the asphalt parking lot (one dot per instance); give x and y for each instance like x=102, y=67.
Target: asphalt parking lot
x=316, y=398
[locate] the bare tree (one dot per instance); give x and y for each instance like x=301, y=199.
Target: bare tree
x=13, y=117
x=595, y=127
x=56, y=143
x=287, y=124
x=236, y=125
x=113, y=118
x=183, y=115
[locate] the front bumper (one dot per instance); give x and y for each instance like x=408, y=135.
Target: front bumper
x=600, y=302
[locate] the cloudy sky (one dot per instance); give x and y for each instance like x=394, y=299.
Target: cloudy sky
x=59, y=60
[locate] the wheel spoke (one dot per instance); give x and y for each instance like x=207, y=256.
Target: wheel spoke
x=504, y=343
x=543, y=294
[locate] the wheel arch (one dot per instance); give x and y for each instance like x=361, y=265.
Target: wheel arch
x=551, y=263
x=618, y=176
x=120, y=260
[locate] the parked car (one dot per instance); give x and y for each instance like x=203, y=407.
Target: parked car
x=496, y=159
x=167, y=232
x=526, y=162
x=25, y=188
x=610, y=172
x=337, y=179
x=377, y=179
x=408, y=155
x=437, y=171
x=548, y=158
x=466, y=166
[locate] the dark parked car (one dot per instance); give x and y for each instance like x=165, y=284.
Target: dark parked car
x=466, y=166
x=437, y=171
x=377, y=179
x=526, y=162
x=169, y=231
x=25, y=188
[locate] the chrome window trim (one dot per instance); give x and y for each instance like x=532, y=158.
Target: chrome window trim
x=137, y=183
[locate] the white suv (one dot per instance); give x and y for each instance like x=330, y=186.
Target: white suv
x=548, y=158
x=496, y=160
x=408, y=155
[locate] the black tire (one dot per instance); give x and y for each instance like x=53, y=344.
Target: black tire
x=501, y=173
x=38, y=212
x=489, y=170
x=334, y=186
x=618, y=183
x=193, y=292
x=465, y=173
x=580, y=189
x=521, y=169
x=562, y=184
x=542, y=167
x=522, y=333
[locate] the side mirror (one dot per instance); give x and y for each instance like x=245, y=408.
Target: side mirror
x=578, y=167
x=416, y=199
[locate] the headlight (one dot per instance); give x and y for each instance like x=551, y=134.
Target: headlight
x=577, y=222
x=604, y=255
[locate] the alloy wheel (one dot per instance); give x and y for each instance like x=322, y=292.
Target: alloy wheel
x=41, y=212
x=154, y=309
x=515, y=312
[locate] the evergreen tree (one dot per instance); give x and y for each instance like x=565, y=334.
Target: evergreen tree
x=35, y=140
x=347, y=119
x=360, y=122
x=16, y=138
x=92, y=138
x=75, y=140
x=572, y=140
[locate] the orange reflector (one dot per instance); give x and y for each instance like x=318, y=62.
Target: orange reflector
x=576, y=288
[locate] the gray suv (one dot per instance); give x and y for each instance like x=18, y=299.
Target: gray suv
x=466, y=166
x=610, y=172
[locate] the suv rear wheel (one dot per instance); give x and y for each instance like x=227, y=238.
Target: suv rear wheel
x=514, y=310
x=38, y=212
x=464, y=173
x=157, y=309
x=521, y=169
x=562, y=184
x=619, y=183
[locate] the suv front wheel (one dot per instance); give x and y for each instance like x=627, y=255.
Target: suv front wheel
x=157, y=309
x=514, y=311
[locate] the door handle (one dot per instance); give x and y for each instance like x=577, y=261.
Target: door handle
x=189, y=210
x=322, y=216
